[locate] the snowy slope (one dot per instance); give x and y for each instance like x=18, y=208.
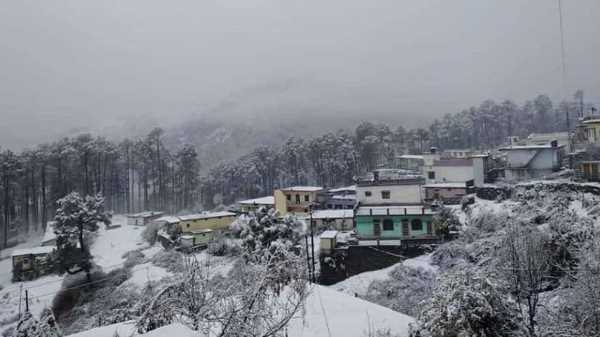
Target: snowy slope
x=331, y=313
x=359, y=284
x=111, y=244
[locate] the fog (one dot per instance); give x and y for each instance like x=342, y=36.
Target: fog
x=119, y=67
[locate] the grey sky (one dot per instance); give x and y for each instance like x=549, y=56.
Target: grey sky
x=72, y=65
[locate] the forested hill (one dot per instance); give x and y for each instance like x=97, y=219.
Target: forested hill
x=203, y=165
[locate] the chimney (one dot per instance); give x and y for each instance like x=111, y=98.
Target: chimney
x=554, y=143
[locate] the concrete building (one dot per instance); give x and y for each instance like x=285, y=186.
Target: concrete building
x=143, y=218
x=394, y=222
x=197, y=222
x=448, y=193
x=296, y=199
x=591, y=130
x=339, y=219
x=451, y=170
x=338, y=198
x=410, y=162
x=531, y=161
x=457, y=153
x=252, y=205
x=590, y=170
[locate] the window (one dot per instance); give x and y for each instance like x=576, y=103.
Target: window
x=306, y=198
x=385, y=194
x=388, y=224
x=416, y=225
x=289, y=197
x=367, y=193
x=297, y=198
x=431, y=175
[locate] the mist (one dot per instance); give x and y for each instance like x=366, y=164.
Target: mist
x=118, y=68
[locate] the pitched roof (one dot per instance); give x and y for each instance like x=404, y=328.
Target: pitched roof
x=206, y=215
x=33, y=250
x=268, y=200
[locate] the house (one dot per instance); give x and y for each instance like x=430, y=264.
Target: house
x=590, y=129
x=49, y=238
x=532, y=161
x=216, y=221
x=328, y=241
x=296, y=199
x=340, y=219
x=252, y=205
x=338, y=198
x=448, y=193
x=410, y=162
x=388, y=187
x=403, y=222
x=197, y=238
x=590, y=170
x=30, y=263
x=451, y=170
x=143, y=218
x=391, y=206
x=545, y=138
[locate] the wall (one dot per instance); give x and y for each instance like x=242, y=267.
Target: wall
x=452, y=174
x=479, y=169
x=221, y=223
x=338, y=224
x=446, y=194
x=364, y=226
x=399, y=194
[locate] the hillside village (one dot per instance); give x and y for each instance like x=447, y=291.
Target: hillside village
x=381, y=249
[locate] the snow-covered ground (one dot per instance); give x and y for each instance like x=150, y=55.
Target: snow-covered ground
x=330, y=313
x=359, y=284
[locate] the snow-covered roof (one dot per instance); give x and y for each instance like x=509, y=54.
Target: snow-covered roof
x=453, y=162
x=591, y=121
x=329, y=234
x=530, y=147
x=446, y=185
x=49, y=235
x=351, y=188
x=145, y=214
x=268, y=200
x=332, y=214
x=410, y=156
x=394, y=210
x=128, y=328
x=33, y=251
x=344, y=197
x=207, y=215
x=173, y=330
x=302, y=189
x=170, y=219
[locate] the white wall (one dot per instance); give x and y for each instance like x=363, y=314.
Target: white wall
x=479, y=171
x=409, y=194
x=537, y=159
x=452, y=174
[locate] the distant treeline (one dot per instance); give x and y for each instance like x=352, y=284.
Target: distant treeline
x=144, y=174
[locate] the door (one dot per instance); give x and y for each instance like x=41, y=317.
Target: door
x=405, y=228
x=594, y=169
x=429, y=228
x=376, y=228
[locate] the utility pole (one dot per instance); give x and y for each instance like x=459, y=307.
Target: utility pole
x=307, y=258
x=26, y=300
x=312, y=243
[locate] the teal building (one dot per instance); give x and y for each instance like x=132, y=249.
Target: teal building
x=394, y=222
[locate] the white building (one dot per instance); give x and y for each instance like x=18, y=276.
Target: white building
x=531, y=161
x=340, y=219
x=387, y=189
x=451, y=170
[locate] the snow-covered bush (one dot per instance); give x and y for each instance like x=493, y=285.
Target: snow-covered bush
x=466, y=303
x=404, y=291
x=445, y=221
x=224, y=246
x=150, y=233
x=171, y=260
x=133, y=258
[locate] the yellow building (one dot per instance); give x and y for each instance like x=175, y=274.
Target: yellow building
x=296, y=199
x=197, y=222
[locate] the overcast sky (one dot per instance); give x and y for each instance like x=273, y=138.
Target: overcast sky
x=72, y=65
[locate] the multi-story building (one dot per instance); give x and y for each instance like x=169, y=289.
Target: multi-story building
x=296, y=200
x=390, y=207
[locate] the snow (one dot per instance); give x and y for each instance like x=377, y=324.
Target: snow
x=329, y=234
x=446, y=185
x=344, y=197
x=173, y=330
x=168, y=219
x=206, y=215
x=111, y=244
x=350, y=188
x=33, y=251
x=333, y=214
x=268, y=200
x=118, y=329
x=330, y=313
x=393, y=210
x=49, y=235
x=302, y=189
x=146, y=214
x=146, y=272
x=359, y=284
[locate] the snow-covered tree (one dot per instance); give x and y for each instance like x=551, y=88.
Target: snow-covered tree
x=75, y=218
x=28, y=326
x=468, y=304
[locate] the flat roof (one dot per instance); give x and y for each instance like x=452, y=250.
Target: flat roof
x=33, y=251
x=145, y=214
x=344, y=197
x=329, y=234
x=168, y=219
x=343, y=189
x=206, y=215
x=394, y=210
x=453, y=162
x=591, y=121
x=530, y=147
x=268, y=200
x=446, y=185
x=302, y=189
x=333, y=214
x=410, y=156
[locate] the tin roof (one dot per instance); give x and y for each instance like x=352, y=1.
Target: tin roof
x=329, y=234
x=206, y=215
x=268, y=200
x=33, y=251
